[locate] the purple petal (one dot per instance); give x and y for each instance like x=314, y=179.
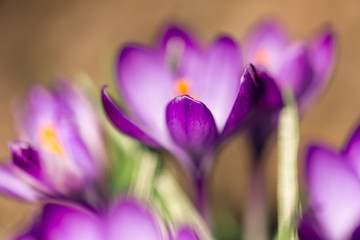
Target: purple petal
x=265, y=44
x=26, y=158
x=77, y=153
x=38, y=109
x=334, y=193
x=218, y=80
x=322, y=54
x=269, y=92
x=356, y=234
x=295, y=72
x=14, y=186
x=352, y=151
x=265, y=119
x=191, y=125
x=146, y=86
x=174, y=32
x=309, y=227
x=130, y=220
x=121, y=122
x=244, y=102
x=85, y=117
x=61, y=222
x=183, y=56
x=186, y=233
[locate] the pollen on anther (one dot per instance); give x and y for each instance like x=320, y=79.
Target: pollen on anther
x=261, y=57
x=50, y=141
x=182, y=87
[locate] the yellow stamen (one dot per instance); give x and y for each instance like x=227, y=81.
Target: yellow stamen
x=182, y=87
x=50, y=140
x=262, y=57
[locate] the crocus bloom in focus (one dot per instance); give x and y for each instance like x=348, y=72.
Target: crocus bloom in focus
x=128, y=219
x=303, y=67
x=60, y=151
x=182, y=97
x=333, y=180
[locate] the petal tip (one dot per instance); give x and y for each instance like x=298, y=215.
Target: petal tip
x=250, y=72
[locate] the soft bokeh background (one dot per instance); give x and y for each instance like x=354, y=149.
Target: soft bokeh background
x=40, y=39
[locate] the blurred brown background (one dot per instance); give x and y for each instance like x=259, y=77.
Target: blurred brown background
x=39, y=39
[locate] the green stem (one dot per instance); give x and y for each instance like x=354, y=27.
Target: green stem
x=287, y=195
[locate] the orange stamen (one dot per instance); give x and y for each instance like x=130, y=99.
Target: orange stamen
x=50, y=140
x=262, y=57
x=182, y=87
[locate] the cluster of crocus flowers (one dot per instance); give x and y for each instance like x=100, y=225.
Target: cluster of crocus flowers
x=186, y=98
x=61, y=151
x=61, y=160
x=334, y=189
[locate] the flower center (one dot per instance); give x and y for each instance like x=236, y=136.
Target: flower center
x=50, y=140
x=262, y=57
x=182, y=87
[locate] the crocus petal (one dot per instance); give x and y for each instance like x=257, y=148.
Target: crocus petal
x=335, y=193
x=268, y=107
x=121, y=122
x=26, y=158
x=186, y=233
x=191, y=125
x=269, y=92
x=307, y=232
x=217, y=80
x=295, y=72
x=321, y=55
x=356, y=234
x=309, y=228
x=39, y=109
x=174, y=32
x=77, y=154
x=352, y=151
x=264, y=43
x=59, y=222
x=86, y=118
x=244, y=102
x=130, y=220
x=12, y=185
x=146, y=86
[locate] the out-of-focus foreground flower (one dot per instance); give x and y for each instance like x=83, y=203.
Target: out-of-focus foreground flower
x=333, y=179
x=182, y=97
x=127, y=219
x=61, y=152
x=304, y=68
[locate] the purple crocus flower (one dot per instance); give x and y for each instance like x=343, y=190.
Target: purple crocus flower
x=333, y=179
x=127, y=219
x=182, y=97
x=303, y=67
x=61, y=149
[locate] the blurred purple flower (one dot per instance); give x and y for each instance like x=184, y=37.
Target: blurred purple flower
x=333, y=180
x=303, y=67
x=61, y=150
x=181, y=97
x=127, y=219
